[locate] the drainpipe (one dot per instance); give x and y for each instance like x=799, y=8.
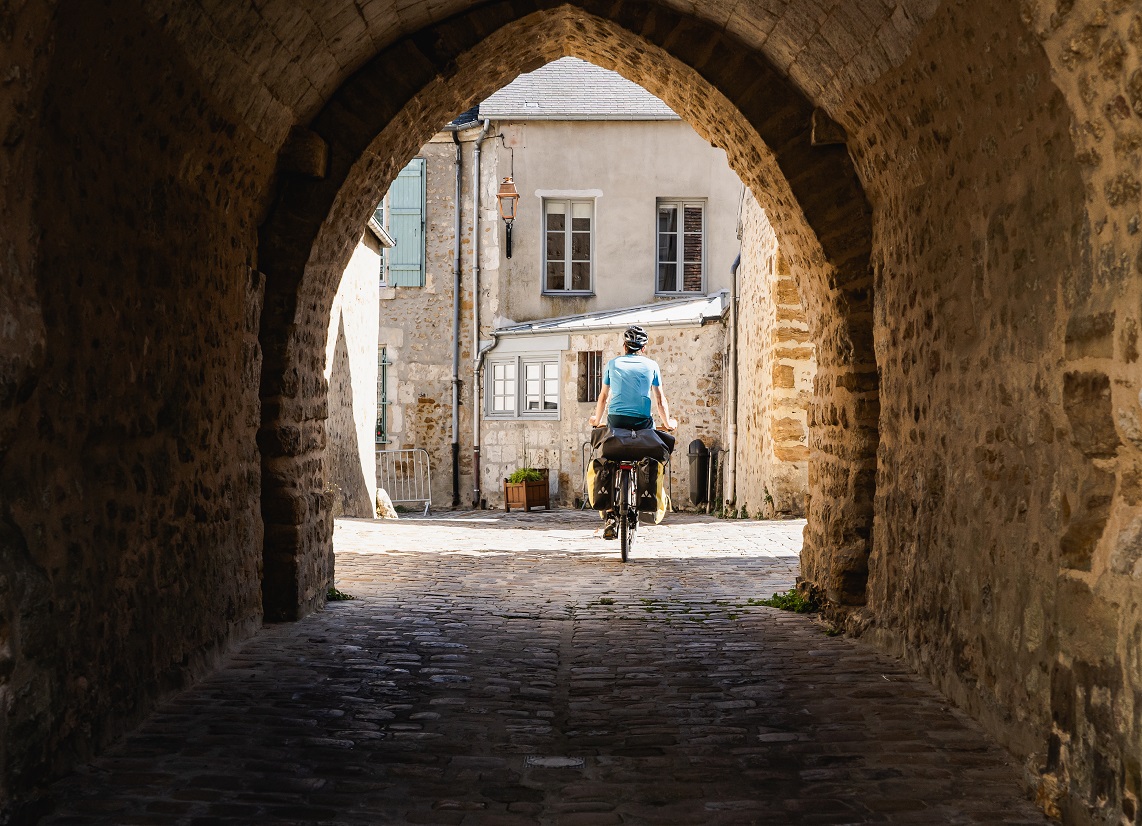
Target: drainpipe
x=478, y=354
x=456, y=329
x=732, y=394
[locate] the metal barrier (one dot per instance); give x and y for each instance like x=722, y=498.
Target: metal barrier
x=406, y=476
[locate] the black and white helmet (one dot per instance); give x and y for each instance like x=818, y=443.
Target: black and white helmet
x=635, y=338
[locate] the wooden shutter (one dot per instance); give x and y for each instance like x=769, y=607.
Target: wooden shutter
x=406, y=225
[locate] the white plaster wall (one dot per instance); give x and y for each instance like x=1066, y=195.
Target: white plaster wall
x=355, y=377
x=633, y=164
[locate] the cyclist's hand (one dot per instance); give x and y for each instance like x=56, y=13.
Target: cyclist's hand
x=671, y=424
x=594, y=420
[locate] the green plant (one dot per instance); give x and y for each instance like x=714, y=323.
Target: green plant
x=337, y=596
x=525, y=474
x=606, y=601
x=768, y=496
x=792, y=600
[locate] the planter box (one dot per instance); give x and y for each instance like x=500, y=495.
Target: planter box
x=527, y=495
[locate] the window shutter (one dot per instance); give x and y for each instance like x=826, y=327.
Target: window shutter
x=406, y=225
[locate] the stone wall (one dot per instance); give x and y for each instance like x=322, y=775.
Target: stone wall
x=130, y=533
x=775, y=377
x=351, y=372
x=416, y=322
x=1003, y=557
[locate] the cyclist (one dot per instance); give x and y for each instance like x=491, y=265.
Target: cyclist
x=631, y=382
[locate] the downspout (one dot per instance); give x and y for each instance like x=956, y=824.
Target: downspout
x=456, y=329
x=732, y=393
x=478, y=354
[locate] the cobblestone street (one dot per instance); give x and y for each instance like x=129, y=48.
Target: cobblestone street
x=510, y=669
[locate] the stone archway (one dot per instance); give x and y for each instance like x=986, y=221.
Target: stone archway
x=774, y=141
x=997, y=145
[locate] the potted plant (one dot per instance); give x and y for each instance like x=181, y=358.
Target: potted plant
x=526, y=488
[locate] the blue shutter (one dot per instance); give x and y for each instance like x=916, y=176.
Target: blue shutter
x=406, y=225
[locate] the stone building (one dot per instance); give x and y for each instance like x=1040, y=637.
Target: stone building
x=955, y=188
x=623, y=206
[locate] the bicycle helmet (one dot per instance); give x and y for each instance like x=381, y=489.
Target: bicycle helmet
x=635, y=338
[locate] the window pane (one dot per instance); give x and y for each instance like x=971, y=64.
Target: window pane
x=555, y=277
x=694, y=248
x=581, y=209
x=668, y=219
x=667, y=247
x=692, y=278
x=551, y=370
x=556, y=246
x=581, y=276
x=667, y=278
x=580, y=246
x=556, y=215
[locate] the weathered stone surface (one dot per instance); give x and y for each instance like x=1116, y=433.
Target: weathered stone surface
x=775, y=377
x=1087, y=401
x=445, y=693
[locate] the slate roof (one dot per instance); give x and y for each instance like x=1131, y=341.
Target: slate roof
x=573, y=89
x=681, y=312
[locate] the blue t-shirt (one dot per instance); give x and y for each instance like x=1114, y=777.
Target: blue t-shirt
x=630, y=379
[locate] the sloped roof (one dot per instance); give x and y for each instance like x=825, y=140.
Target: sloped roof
x=681, y=312
x=573, y=89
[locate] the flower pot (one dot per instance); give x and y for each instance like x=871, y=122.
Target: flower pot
x=527, y=495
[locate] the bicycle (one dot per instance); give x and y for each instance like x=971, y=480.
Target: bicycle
x=626, y=495
x=624, y=504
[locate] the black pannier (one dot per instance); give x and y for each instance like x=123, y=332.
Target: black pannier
x=620, y=443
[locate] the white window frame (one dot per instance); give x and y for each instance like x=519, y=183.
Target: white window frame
x=519, y=362
x=569, y=200
x=680, y=204
x=383, y=208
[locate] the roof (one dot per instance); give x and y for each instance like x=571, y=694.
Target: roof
x=680, y=312
x=471, y=117
x=573, y=89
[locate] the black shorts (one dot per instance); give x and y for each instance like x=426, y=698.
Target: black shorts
x=629, y=422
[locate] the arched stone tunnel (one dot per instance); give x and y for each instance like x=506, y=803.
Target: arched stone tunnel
x=955, y=185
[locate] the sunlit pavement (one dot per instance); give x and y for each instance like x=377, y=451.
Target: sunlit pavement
x=511, y=669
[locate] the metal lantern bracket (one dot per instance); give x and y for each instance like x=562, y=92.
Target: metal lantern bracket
x=508, y=196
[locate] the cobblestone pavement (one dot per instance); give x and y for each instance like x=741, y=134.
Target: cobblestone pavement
x=511, y=670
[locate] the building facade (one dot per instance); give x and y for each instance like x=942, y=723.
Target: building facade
x=626, y=215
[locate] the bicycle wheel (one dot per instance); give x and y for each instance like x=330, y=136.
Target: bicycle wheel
x=628, y=512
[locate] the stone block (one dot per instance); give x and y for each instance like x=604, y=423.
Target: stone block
x=1087, y=402
x=1088, y=520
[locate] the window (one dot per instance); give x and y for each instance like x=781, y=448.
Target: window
x=523, y=386
x=568, y=245
x=681, y=247
x=383, y=397
x=502, y=398
x=590, y=379
x=406, y=213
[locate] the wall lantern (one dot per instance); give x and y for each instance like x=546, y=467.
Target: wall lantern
x=507, y=196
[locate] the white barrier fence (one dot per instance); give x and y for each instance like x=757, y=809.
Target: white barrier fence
x=406, y=476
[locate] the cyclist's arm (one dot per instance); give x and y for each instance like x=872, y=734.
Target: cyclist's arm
x=600, y=416
x=663, y=408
